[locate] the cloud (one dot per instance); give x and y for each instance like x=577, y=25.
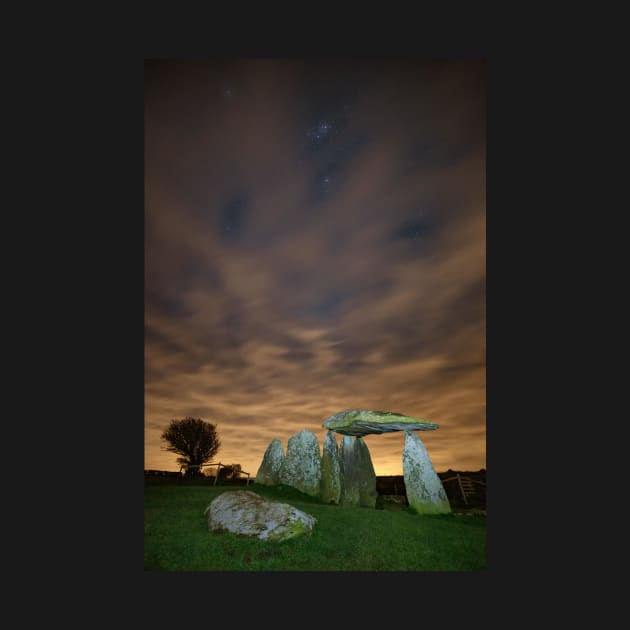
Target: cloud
x=274, y=299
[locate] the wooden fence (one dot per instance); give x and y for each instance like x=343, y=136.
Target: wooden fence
x=466, y=487
x=219, y=465
x=161, y=473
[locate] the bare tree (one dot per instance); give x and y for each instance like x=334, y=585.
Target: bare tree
x=194, y=440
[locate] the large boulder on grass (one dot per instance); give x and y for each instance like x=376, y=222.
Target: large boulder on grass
x=302, y=466
x=248, y=514
x=269, y=472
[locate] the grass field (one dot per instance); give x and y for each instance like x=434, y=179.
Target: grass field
x=176, y=537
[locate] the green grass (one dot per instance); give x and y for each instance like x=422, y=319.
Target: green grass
x=176, y=537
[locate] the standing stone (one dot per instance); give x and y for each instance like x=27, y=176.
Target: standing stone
x=269, y=472
x=425, y=491
x=350, y=492
x=366, y=474
x=302, y=466
x=331, y=470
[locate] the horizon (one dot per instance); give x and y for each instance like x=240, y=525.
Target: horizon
x=174, y=467
x=315, y=241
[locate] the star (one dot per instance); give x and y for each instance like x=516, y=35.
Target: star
x=320, y=131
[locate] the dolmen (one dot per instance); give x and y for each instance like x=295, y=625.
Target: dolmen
x=344, y=474
x=425, y=492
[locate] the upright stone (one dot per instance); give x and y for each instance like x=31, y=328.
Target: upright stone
x=366, y=475
x=350, y=467
x=331, y=470
x=302, y=465
x=269, y=472
x=425, y=491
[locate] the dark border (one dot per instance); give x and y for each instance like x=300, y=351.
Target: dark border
x=110, y=219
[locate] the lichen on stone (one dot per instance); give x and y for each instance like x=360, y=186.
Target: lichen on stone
x=330, y=489
x=269, y=471
x=248, y=514
x=366, y=475
x=425, y=492
x=360, y=422
x=350, y=491
x=301, y=467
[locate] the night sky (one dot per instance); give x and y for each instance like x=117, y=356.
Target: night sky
x=315, y=241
